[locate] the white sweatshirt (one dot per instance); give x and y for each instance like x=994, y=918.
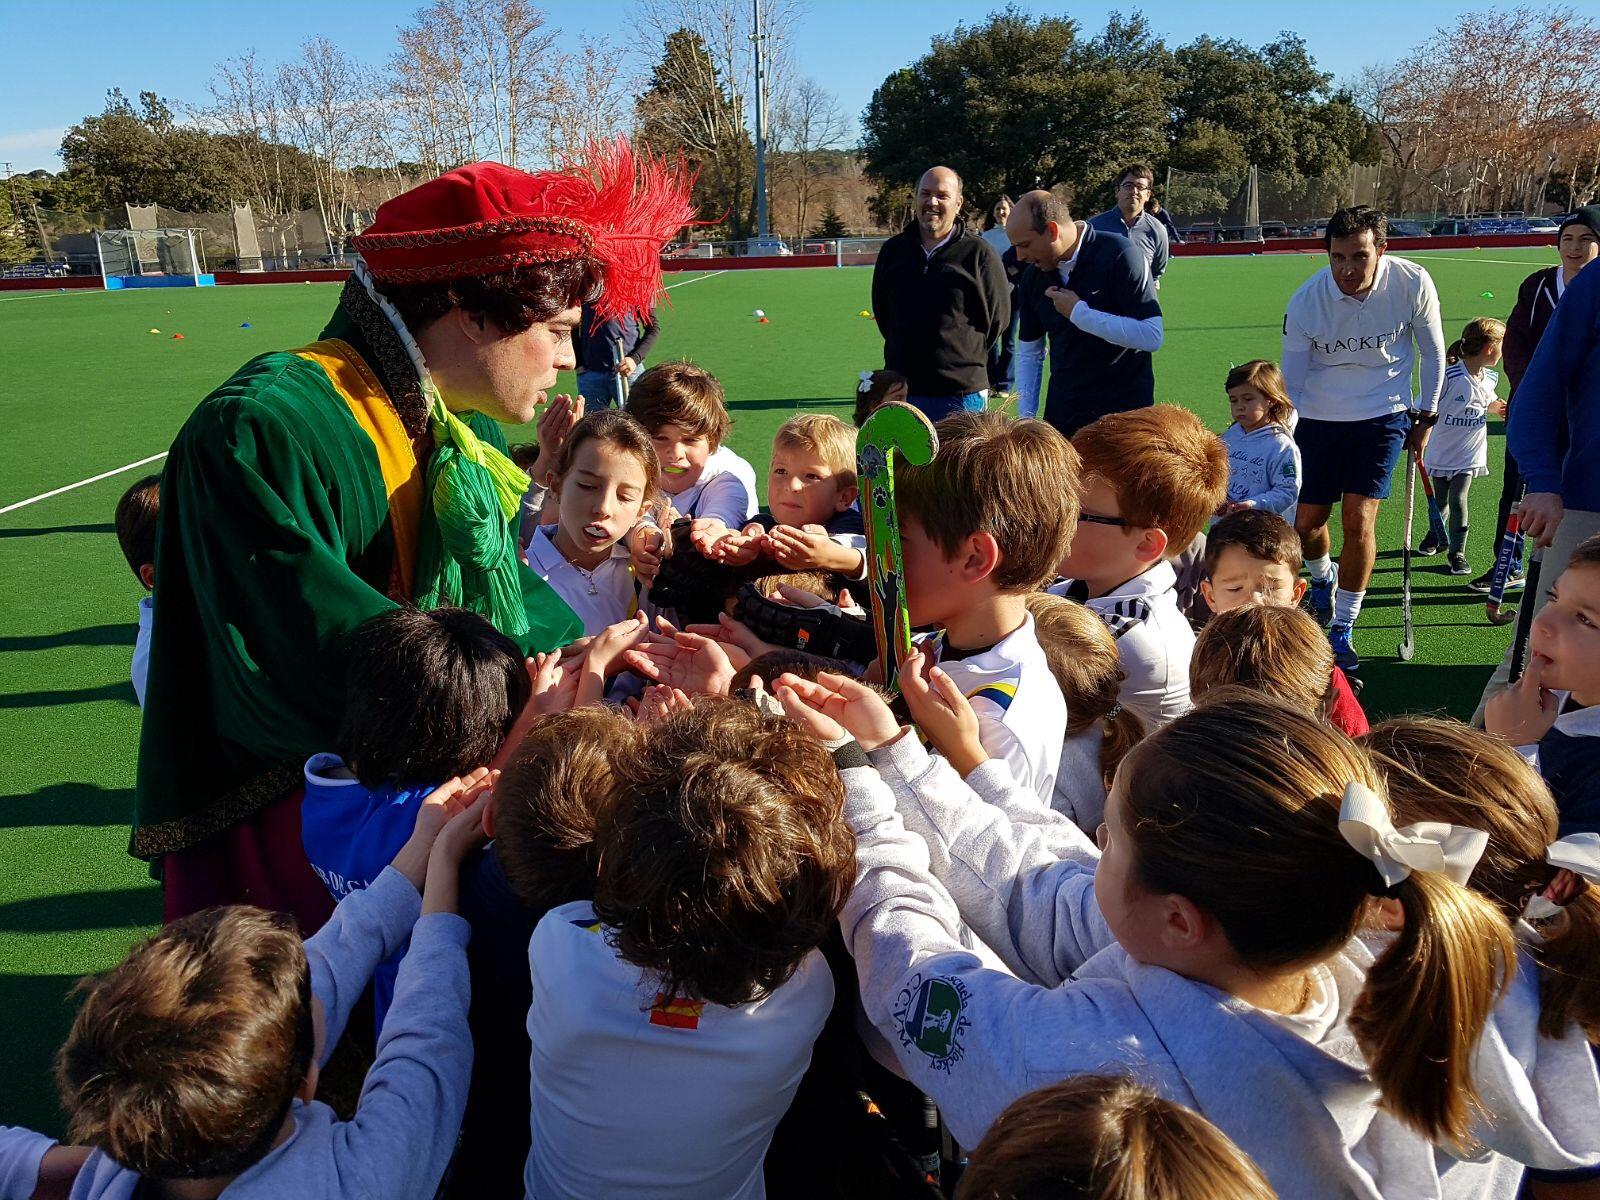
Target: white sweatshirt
x=1263, y=468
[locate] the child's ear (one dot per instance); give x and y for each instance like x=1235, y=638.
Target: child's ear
x=1300, y=586
x=982, y=558
x=1152, y=545
x=1186, y=926
x=147, y=576
x=846, y=497
x=307, y=1091
x=1210, y=596
x=488, y=821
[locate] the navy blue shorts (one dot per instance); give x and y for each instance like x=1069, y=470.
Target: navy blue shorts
x=1348, y=457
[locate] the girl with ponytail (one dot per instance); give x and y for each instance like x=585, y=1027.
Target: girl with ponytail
x=1219, y=951
x=1458, y=448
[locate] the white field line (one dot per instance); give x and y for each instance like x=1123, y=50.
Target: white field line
x=81, y=483
x=696, y=279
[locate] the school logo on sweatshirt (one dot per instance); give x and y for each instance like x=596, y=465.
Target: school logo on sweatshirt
x=931, y=1016
x=675, y=1012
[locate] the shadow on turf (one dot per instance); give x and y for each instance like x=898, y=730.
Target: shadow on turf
x=39, y=1011
x=89, y=635
x=106, y=691
x=67, y=804
x=1394, y=688
x=72, y=912
x=785, y=402
x=40, y=531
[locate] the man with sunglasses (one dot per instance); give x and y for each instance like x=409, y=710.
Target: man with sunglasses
x=1131, y=218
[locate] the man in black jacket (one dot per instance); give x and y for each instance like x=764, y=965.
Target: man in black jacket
x=1092, y=293
x=1578, y=245
x=941, y=298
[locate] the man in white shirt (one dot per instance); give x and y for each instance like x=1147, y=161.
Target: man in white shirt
x=1351, y=336
x=1092, y=293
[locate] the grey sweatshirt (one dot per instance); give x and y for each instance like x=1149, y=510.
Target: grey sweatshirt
x=404, y=1130
x=976, y=1039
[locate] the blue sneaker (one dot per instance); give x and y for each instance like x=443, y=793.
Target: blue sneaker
x=1319, y=600
x=1344, y=654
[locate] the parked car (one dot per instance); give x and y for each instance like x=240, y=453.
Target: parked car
x=1542, y=225
x=1406, y=229
x=1452, y=227
x=1275, y=229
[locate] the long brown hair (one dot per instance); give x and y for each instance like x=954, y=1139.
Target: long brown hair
x=1236, y=807
x=618, y=429
x=1265, y=377
x=1440, y=770
x=1087, y=667
x=1480, y=333
x=1101, y=1137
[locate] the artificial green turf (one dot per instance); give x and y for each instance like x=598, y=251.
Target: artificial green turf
x=92, y=390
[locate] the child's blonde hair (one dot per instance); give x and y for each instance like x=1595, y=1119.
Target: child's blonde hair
x=1265, y=377
x=827, y=437
x=874, y=388
x=1479, y=335
x=1102, y=1137
x=1267, y=648
x=1087, y=667
x=1439, y=770
x=1236, y=806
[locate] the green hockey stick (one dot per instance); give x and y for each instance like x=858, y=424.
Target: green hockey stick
x=892, y=428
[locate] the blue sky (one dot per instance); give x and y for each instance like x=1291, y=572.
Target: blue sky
x=50, y=79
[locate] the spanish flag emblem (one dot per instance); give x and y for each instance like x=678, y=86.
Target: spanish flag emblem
x=675, y=1012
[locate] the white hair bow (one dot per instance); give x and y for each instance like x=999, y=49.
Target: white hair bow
x=866, y=382
x=1577, y=853
x=1365, y=824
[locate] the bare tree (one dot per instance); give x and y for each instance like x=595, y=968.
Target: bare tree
x=326, y=102
x=246, y=107
x=805, y=122
x=596, y=99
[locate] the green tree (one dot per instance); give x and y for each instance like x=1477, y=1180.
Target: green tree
x=830, y=225
x=141, y=155
x=1019, y=102
x=687, y=109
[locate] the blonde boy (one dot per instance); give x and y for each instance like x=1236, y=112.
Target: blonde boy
x=1151, y=479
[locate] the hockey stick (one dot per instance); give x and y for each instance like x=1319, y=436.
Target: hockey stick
x=1408, y=645
x=622, y=380
x=1436, y=529
x=1519, y=647
x=1505, y=561
x=891, y=428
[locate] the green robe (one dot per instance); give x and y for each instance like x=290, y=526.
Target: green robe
x=275, y=539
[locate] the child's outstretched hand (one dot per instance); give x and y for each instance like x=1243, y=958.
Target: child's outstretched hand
x=841, y=702
x=687, y=661
x=737, y=549
x=462, y=834
x=439, y=808
x=735, y=638
x=647, y=546
x=555, y=423
x=660, y=702
x=1525, y=711
x=942, y=712
x=552, y=688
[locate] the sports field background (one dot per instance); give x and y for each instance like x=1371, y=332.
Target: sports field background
x=89, y=389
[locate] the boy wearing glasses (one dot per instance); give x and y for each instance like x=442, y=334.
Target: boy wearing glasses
x=1151, y=479
x=1132, y=219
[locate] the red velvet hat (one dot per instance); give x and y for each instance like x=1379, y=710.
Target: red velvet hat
x=615, y=207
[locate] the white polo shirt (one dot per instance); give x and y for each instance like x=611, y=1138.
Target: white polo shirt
x=600, y=597
x=1350, y=359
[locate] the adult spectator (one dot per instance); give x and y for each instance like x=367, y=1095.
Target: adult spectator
x=610, y=350
x=941, y=299
x=1351, y=336
x=1002, y=371
x=1578, y=244
x=1553, y=431
x=1091, y=294
x=1132, y=218
x=321, y=486
x=1156, y=210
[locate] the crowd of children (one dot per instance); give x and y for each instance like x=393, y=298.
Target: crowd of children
x=690, y=909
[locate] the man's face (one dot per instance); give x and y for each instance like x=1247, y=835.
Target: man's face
x=802, y=489
x=1354, y=260
x=1033, y=247
x=1578, y=247
x=514, y=370
x=1242, y=579
x=1132, y=192
x=938, y=203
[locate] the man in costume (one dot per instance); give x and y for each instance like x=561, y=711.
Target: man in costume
x=321, y=486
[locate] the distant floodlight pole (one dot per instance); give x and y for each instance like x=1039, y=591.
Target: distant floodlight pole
x=759, y=39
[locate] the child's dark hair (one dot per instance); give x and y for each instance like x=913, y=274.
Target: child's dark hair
x=1015, y=480
x=613, y=428
x=1479, y=334
x=524, y=454
x=681, y=394
x=550, y=800
x=428, y=695
x=1265, y=377
x=1087, y=666
x=136, y=522
x=767, y=667
x=183, y=1061
x=1260, y=534
x=872, y=391
x=1437, y=770
x=1102, y=1137
x=1267, y=648
x=1236, y=807
x=1587, y=554
x=729, y=857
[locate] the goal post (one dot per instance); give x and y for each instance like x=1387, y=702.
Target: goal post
x=147, y=258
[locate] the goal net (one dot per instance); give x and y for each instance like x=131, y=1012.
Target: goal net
x=151, y=258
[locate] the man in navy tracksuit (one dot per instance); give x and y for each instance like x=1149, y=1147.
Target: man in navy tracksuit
x=609, y=352
x=941, y=299
x=1092, y=293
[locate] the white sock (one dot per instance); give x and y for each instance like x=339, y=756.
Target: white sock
x=1346, y=606
x=1321, y=568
